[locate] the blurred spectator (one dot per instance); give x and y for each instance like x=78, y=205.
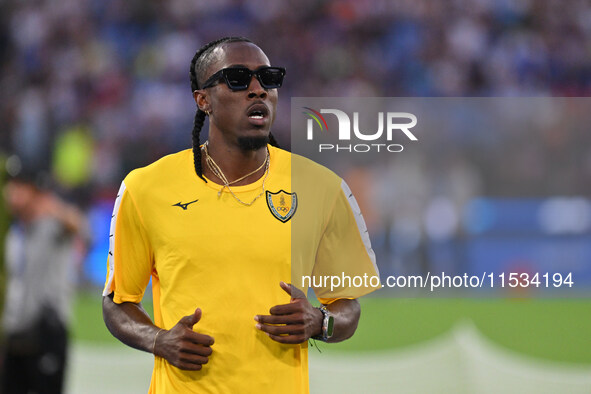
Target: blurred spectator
x=4, y=223
x=40, y=252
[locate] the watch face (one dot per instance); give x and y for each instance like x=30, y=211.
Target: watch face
x=330, y=327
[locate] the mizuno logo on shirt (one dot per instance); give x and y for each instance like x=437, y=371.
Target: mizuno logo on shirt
x=184, y=205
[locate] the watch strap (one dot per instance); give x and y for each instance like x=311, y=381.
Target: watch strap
x=327, y=325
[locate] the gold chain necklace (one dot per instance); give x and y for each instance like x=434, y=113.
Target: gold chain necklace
x=217, y=171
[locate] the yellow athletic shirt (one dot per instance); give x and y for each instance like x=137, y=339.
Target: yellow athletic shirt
x=202, y=248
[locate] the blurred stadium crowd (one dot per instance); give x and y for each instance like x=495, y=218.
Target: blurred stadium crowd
x=95, y=88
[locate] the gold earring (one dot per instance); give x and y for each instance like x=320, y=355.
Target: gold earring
x=208, y=113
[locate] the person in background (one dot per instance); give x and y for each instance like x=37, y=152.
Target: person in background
x=40, y=249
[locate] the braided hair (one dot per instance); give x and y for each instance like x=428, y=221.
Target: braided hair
x=199, y=65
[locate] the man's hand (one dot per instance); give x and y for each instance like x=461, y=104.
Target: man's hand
x=291, y=323
x=183, y=347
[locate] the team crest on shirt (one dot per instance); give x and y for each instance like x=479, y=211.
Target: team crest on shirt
x=282, y=204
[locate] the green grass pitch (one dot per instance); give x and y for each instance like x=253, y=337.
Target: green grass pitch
x=555, y=330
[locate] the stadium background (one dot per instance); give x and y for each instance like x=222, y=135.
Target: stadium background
x=93, y=89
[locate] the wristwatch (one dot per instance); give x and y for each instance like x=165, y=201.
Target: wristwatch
x=327, y=325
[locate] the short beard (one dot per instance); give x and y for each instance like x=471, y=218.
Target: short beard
x=252, y=143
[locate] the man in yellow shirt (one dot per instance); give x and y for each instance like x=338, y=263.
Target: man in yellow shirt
x=222, y=229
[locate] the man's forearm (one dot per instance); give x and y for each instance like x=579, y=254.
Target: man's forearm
x=180, y=345
x=129, y=323
x=346, y=317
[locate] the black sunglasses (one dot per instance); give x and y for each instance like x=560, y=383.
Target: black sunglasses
x=238, y=78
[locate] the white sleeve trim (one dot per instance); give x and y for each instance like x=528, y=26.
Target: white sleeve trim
x=361, y=226
x=111, y=256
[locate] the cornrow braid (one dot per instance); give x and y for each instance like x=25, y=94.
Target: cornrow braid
x=199, y=65
x=273, y=141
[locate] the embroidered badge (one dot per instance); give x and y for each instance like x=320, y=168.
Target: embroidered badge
x=282, y=204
